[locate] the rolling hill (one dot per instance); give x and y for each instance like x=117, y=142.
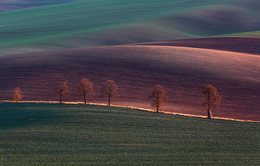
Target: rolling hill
x=114, y=22
x=6, y=5
x=62, y=134
x=136, y=69
x=179, y=44
x=236, y=44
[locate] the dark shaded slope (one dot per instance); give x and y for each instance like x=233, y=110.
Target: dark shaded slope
x=136, y=69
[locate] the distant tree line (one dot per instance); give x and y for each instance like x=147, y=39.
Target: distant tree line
x=211, y=98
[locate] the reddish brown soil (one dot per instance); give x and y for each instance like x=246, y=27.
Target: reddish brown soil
x=236, y=44
x=136, y=69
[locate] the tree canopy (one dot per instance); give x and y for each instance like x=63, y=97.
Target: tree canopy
x=110, y=90
x=17, y=95
x=158, y=97
x=211, y=98
x=86, y=89
x=62, y=90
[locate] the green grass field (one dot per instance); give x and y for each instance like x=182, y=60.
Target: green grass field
x=32, y=134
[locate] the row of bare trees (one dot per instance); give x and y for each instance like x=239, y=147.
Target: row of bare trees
x=86, y=89
x=210, y=100
x=211, y=97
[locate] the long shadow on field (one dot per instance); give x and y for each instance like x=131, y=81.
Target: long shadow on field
x=24, y=114
x=28, y=114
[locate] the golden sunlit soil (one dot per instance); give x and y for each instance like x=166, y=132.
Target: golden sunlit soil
x=236, y=44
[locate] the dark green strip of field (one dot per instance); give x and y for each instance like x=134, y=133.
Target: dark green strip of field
x=60, y=134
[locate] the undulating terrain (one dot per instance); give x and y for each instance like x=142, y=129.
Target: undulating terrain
x=57, y=134
x=6, y=5
x=136, y=69
x=181, y=45
x=236, y=44
x=114, y=22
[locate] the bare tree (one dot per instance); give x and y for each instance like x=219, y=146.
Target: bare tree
x=211, y=98
x=62, y=90
x=86, y=89
x=17, y=95
x=110, y=90
x=158, y=97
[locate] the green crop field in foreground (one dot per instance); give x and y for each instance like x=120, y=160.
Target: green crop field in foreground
x=97, y=135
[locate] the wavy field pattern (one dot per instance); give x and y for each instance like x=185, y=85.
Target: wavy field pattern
x=6, y=5
x=113, y=22
x=177, y=45
x=182, y=71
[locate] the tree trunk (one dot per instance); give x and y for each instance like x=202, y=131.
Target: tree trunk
x=157, y=106
x=209, y=114
x=60, y=98
x=109, y=100
x=85, y=101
